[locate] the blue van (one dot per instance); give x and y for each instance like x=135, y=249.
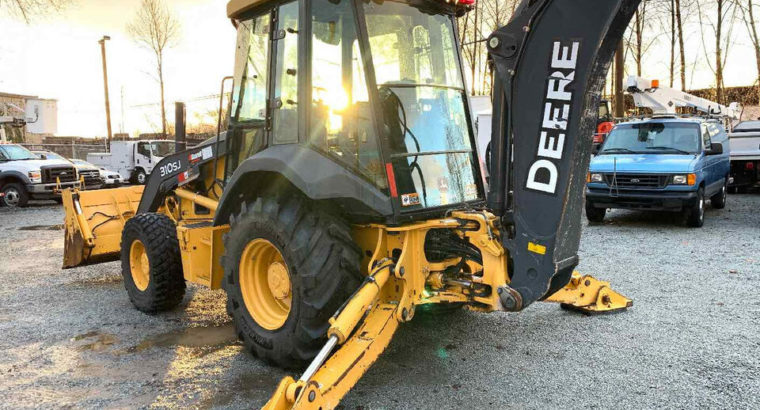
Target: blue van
x=661, y=164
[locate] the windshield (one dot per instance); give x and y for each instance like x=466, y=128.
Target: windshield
x=15, y=153
x=423, y=98
x=162, y=148
x=654, y=137
x=52, y=155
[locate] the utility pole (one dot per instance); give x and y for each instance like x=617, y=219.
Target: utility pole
x=619, y=72
x=102, y=42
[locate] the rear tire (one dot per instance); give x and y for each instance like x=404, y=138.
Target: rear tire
x=151, y=263
x=695, y=217
x=594, y=214
x=14, y=195
x=314, y=249
x=718, y=200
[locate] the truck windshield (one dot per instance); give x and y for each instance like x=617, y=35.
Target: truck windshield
x=653, y=137
x=15, y=153
x=423, y=98
x=162, y=148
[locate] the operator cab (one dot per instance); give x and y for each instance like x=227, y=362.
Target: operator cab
x=375, y=88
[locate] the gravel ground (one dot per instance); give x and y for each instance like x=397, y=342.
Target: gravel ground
x=71, y=338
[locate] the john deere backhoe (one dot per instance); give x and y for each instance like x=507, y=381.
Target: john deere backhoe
x=347, y=191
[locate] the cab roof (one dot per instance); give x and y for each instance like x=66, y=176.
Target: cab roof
x=237, y=7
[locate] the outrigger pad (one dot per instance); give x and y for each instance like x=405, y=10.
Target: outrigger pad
x=589, y=295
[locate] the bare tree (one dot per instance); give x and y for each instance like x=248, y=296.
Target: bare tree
x=640, y=38
x=27, y=9
x=748, y=15
x=155, y=28
x=725, y=14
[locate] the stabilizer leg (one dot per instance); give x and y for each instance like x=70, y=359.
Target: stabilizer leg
x=589, y=295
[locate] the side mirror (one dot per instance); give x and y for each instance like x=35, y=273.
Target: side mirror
x=715, y=149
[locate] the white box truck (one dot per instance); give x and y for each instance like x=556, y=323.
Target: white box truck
x=133, y=160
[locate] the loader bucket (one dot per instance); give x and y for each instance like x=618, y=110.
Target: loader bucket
x=94, y=221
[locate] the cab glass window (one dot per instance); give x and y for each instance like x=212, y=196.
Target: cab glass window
x=423, y=98
x=340, y=122
x=249, y=93
x=285, y=108
x=143, y=148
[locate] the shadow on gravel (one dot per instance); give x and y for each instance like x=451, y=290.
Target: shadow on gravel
x=58, y=227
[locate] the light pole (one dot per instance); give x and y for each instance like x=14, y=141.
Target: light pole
x=102, y=42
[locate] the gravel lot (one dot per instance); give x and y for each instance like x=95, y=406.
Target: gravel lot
x=71, y=338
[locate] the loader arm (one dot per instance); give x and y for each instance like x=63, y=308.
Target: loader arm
x=550, y=65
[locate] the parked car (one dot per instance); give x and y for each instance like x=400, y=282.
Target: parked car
x=111, y=179
x=661, y=164
x=745, y=155
x=25, y=176
x=89, y=172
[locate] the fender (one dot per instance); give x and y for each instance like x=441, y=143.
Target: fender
x=314, y=174
x=14, y=174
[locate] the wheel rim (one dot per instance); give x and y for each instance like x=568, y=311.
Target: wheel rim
x=139, y=265
x=11, y=197
x=141, y=178
x=265, y=284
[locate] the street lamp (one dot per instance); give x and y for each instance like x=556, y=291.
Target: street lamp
x=102, y=42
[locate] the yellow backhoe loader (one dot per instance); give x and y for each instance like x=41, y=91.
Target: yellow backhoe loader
x=346, y=191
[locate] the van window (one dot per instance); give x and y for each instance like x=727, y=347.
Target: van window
x=716, y=133
x=706, y=137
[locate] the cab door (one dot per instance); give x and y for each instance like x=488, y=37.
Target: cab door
x=250, y=116
x=709, y=164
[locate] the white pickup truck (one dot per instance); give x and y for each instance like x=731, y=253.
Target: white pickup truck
x=133, y=160
x=745, y=155
x=24, y=176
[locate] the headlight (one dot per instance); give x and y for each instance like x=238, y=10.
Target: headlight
x=686, y=179
x=35, y=176
x=595, y=178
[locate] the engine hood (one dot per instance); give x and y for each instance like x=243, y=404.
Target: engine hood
x=34, y=164
x=644, y=163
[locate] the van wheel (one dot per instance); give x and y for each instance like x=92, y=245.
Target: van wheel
x=695, y=216
x=151, y=263
x=138, y=177
x=718, y=200
x=14, y=195
x=288, y=267
x=594, y=214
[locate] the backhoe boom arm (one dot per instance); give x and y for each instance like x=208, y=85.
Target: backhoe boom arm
x=550, y=65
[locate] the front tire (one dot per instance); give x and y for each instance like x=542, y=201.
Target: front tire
x=718, y=200
x=14, y=195
x=696, y=214
x=594, y=214
x=139, y=177
x=151, y=263
x=289, y=265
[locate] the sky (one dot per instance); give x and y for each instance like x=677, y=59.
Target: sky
x=58, y=56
